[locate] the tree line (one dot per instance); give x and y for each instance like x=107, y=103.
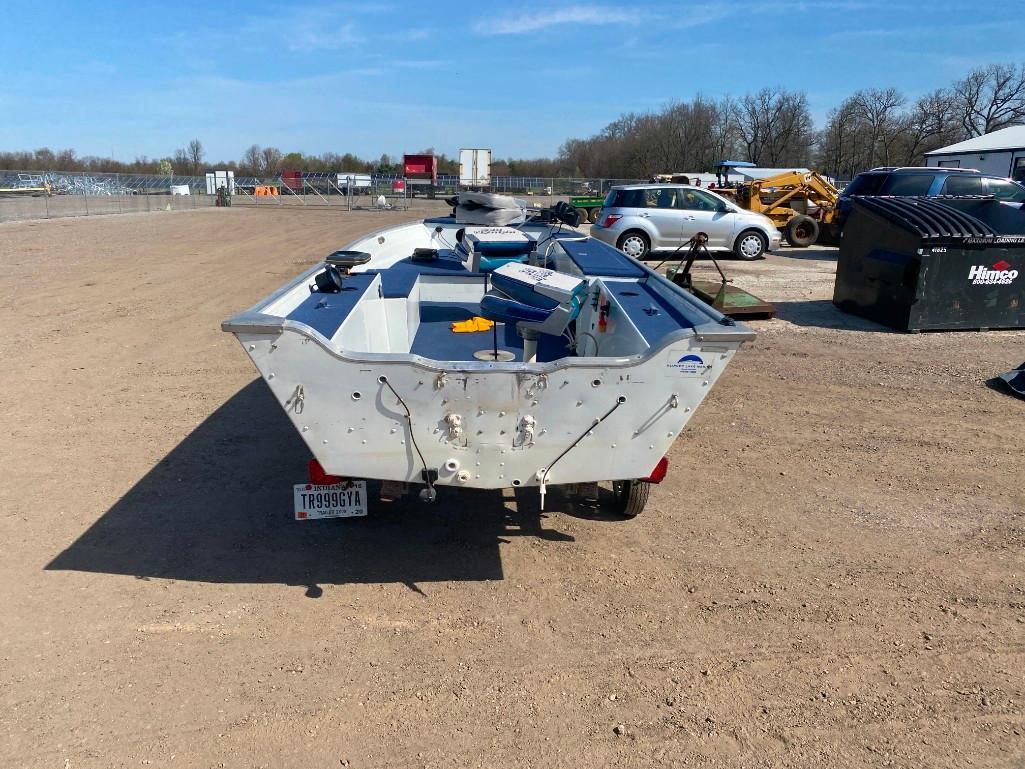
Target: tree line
x=190, y=160
x=771, y=127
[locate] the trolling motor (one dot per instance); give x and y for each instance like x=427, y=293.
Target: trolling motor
x=560, y=212
x=330, y=280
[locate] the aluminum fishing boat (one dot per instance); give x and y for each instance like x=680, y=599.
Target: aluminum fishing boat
x=497, y=347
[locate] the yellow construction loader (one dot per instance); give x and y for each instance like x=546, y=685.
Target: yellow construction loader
x=802, y=204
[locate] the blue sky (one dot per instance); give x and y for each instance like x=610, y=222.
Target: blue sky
x=143, y=78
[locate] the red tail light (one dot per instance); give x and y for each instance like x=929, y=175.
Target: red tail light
x=610, y=220
x=659, y=473
x=320, y=478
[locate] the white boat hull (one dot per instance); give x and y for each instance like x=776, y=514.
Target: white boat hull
x=356, y=427
x=574, y=418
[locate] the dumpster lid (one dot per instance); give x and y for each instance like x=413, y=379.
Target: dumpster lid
x=931, y=219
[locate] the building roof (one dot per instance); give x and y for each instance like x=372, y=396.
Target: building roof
x=1012, y=138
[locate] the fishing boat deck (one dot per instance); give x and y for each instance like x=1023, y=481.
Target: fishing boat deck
x=407, y=305
x=435, y=338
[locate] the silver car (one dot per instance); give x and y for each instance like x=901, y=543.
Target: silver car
x=641, y=218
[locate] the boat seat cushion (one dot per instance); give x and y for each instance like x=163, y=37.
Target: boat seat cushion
x=485, y=249
x=504, y=310
x=532, y=296
x=496, y=241
x=538, y=286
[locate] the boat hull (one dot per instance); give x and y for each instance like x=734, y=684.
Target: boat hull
x=489, y=425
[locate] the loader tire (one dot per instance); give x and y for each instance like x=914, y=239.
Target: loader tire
x=802, y=231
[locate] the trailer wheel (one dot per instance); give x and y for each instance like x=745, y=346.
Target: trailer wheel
x=630, y=497
x=592, y=215
x=802, y=231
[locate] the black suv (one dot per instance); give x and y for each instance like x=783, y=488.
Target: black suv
x=916, y=180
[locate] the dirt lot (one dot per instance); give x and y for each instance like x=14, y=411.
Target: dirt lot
x=833, y=574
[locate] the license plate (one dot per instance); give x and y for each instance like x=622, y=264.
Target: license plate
x=340, y=500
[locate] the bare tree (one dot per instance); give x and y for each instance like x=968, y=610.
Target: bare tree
x=252, y=160
x=195, y=152
x=270, y=160
x=181, y=162
x=725, y=135
x=776, y=127
x=991, y=98
x=879, y=112
x=931, y=123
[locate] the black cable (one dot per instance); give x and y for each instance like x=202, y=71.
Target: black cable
x=551, y=236
x=619, y=402
x=409, y=419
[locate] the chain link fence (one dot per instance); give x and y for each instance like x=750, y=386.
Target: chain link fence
x=53, y=194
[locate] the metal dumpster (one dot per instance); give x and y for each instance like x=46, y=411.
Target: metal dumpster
x=918, y=263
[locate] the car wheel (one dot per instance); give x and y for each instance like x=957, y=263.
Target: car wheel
x=750, y=245
x=802, y=231
x=634, y=244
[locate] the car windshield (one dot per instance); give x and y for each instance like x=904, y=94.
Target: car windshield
x=865, y=184
x=1006, y=191
x=907, y=184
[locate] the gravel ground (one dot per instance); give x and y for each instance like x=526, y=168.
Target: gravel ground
x=831, y=575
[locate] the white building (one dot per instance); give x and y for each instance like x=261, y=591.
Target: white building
x=1001, y=153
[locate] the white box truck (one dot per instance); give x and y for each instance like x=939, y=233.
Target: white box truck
x=217, y=179
x=475, y=168
x=360, y=183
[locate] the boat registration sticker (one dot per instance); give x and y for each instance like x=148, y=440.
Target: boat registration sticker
x=340, y=500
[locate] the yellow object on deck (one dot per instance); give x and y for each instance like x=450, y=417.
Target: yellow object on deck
x=473, y=324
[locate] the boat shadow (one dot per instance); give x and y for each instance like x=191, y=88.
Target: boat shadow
x=218, y=508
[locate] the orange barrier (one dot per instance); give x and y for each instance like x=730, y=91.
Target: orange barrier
x=265, y=191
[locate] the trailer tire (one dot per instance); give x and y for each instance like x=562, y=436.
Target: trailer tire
x=634, y=243
x=592, y=215
x=630, y=497
x=802, y=231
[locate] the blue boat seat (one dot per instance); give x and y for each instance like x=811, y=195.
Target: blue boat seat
x=535, y=299
x=503, y=310
x=485, y=249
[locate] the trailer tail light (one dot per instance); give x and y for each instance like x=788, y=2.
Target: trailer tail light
x=318, y=477
x=659, y=473
x=611, y=219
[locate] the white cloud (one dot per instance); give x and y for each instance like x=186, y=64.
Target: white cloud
x=313, y=28
x=522, y=23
